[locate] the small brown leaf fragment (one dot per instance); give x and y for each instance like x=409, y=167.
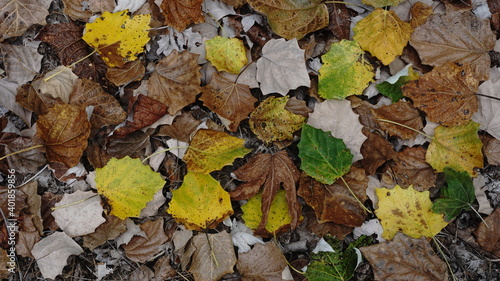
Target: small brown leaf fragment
x=29, y=98
x=19, y=199
x=376, y=150
x=181, y=13
x=97, y=155
x=176, y=80
x=64, y=132
x=405, y=258
x=145, y=111
x=49, y=201
x=141, y=249
x=446, y=94
x=402, y=113
x=142, y=273
x=491, y=149
x=163, y=270
x=488, y=237
x=106, y=231
x=25, y=242
x=340, y=20
x=419, y=14
x=131, y=71
x=129, y=145
x=458, y=5
x=298, y=107
x=182, y=127
x=100, y=6
x=262, y=263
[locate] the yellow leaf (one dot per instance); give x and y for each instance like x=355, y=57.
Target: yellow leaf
x=211, y=150
x=200, y=202
x=128, y=185
x=383, y=34
x=226, y=54
x=381, y=3
x=407, y=211
x=457, y=147
x=117, y=37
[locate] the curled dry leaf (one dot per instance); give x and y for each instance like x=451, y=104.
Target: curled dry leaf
x=488, y=237
x=145, y=111
x=263, y=263
x=142, y=249
x=180, y=13
x=402, y=113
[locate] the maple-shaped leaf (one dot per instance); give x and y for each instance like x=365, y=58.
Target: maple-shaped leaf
x=455, y=37
x=18, y=15
x=270, y=121
x=344, y=71
x=268, y=172
x=64, y=132
x=200, y=203
x=293, y=18
x=382, y=34
x=282, y=67
x=324, y=157
x=457, y=196
x=381, y=3
x=263, y=263
x=143, y=249
x=402, y=113
x=405, y=258
x=128, y=185
x=457, y=147
x=226, y=54
x=118, y=37
x=337, y=117
x=488, y=233
x=180, y=13
x=446, y=94
x=176, y=80
x=407, y=211
x=211, y=150
x=228, y=99
x=131, y=71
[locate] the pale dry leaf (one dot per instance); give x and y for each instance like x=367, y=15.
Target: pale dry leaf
x=75, y=10
x=491, y=149
x=131, y=5
x=217, y=9
x=60, y=85
x=480, y=187
x=179, y=41
x=132, y=230
x=243, y=236
x=22, y=63
x=488, y=114
x=152, y=206
x=8, y=99
x=16, y=16
x=100, y=6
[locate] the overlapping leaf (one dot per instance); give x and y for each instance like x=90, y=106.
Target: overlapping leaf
x=18, y=15
x=226, y=54
x=457, y=196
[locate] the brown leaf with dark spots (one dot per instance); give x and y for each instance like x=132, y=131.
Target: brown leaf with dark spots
x=402, y=113
x=64, y=132
x=142, y=249
x=181, y=13
x=269, y=172
x=129, y=145
x=488, y=237
x=182, y=127
x=446, y=94
x=29, y=98
x=340, y=20
x=263, y=262
x=376, y=150
x=131, y=71
x=176, y=80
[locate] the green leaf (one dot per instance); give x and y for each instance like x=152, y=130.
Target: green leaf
x=393, y=91
x=324, y=157
x=457, y=196
x=339, y=265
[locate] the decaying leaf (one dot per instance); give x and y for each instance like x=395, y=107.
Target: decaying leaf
x=18, y=15
x=131, y=71
x=182, y=127
x=27, y=161
x=340, y=20
x=419, y=14
x=142, y=249
x=262, y=263
x=180, y=13
x=110, y=229
x=226, y=54
x=402, y=113
x=29, y=98
x=22, y=63
x=488, y=114
x=376, y=150
x=57, y=83
x=488, y=236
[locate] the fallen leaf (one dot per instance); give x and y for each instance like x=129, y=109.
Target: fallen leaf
x=455, y=37
x=64, y=132
x=118, y=37
x=131, y=5
x=130, y=145
x=24, y=162
x=176, y=81
x=405, y=258
x=268, y=172
x=132, y=230
x=419, y=14
x=488, y=236
x=293, y=18
x=460, y=5
x=457, y=147
x=340, y=20
x=262, y=263
x=182, y=127
x=180, y=13
x=130, y=72
x=491, y=149
x=344, y=71
x=243, y=236
x=109, y=230
x=8, y=99
x=52, y=252
x=403, y=113
x=488, y=114
x=228, y=99
x=57, y=83
x=392, y=89
x=324, y=157
x=480, y=188
x=298, y=107
x=407, y=211
x=381, y=3
x=99, y=6
x=323, y=229
x=376, y=150
x=29, y=98
x=22, y=63
x=142, y=249
x=75, y=10
x=281, y=67
x=226, y=54
x=200, y=203
x=19, y=15
x=128, y=185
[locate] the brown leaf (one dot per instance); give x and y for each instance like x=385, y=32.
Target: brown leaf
x=24, y=162
x=142, y=273
x=262, y=263
x=321, y=229
x=182, y=127
x=64, y=132
x=269, y=172
x=141, y=249
x=491, y=149
x=228, y=99
x=402, y=113
x=446, y=94
x=74, y=9
x=131, y=71
x=176, y=80
x=298, y=107
x=97, y=155
x=405, y=258
x=419, y=14
x=28, y=97
x=100, y=6
x=340, y=20
x=455, y=37
x=488, y=237
x=145, y=111
x=49, y=201
x=19, y=200
x=34, y=203
x=107, y=231
x=180, y=13
x=17, y=16
x=25, y=242
x=107, y=110
x=128, y=145
x=458, y=5
x=163, y=269
x=376, y=150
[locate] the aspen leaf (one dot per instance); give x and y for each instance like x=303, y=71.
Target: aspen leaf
x=200, y=203
x=226, y=54
x=142, y=249
x=344, y=71
x=117, y=37
x=488, y=233
x=407, y=211
x=383, y=34
x=128, y=185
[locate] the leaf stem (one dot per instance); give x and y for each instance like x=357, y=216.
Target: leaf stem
x=71, y=65
x=404, y=126
x=477, y=213
x=21, y=151
x=355, y=197
x=444, y=257
x=74, y=203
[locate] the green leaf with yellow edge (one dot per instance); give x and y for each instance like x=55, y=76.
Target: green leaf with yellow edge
x=117, y=37
x=381, y=3
x=407, y=211
x=344, y=71
x=279, y=217
x=211, y=150
x=457, y=147
x=226, y=54
x=128, y=185
x=383, y=34
x=200, y=203
x=270, y=121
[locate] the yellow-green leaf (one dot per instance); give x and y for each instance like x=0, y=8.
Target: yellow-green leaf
x=383, y=34
x=457, y=147
x=128, y=185
x=211, y=150
x=117, y=37
x=381, y=3
x=200, y=202
x=226, y=54
x=407, y=211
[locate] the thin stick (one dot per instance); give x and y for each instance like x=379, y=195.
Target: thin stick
x=21, y=151
x=444, y=257
x=404, y=126
x=74, y=203
x=477, y=213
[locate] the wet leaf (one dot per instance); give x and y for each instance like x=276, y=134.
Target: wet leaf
x=226, y=54
x=180, y=13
